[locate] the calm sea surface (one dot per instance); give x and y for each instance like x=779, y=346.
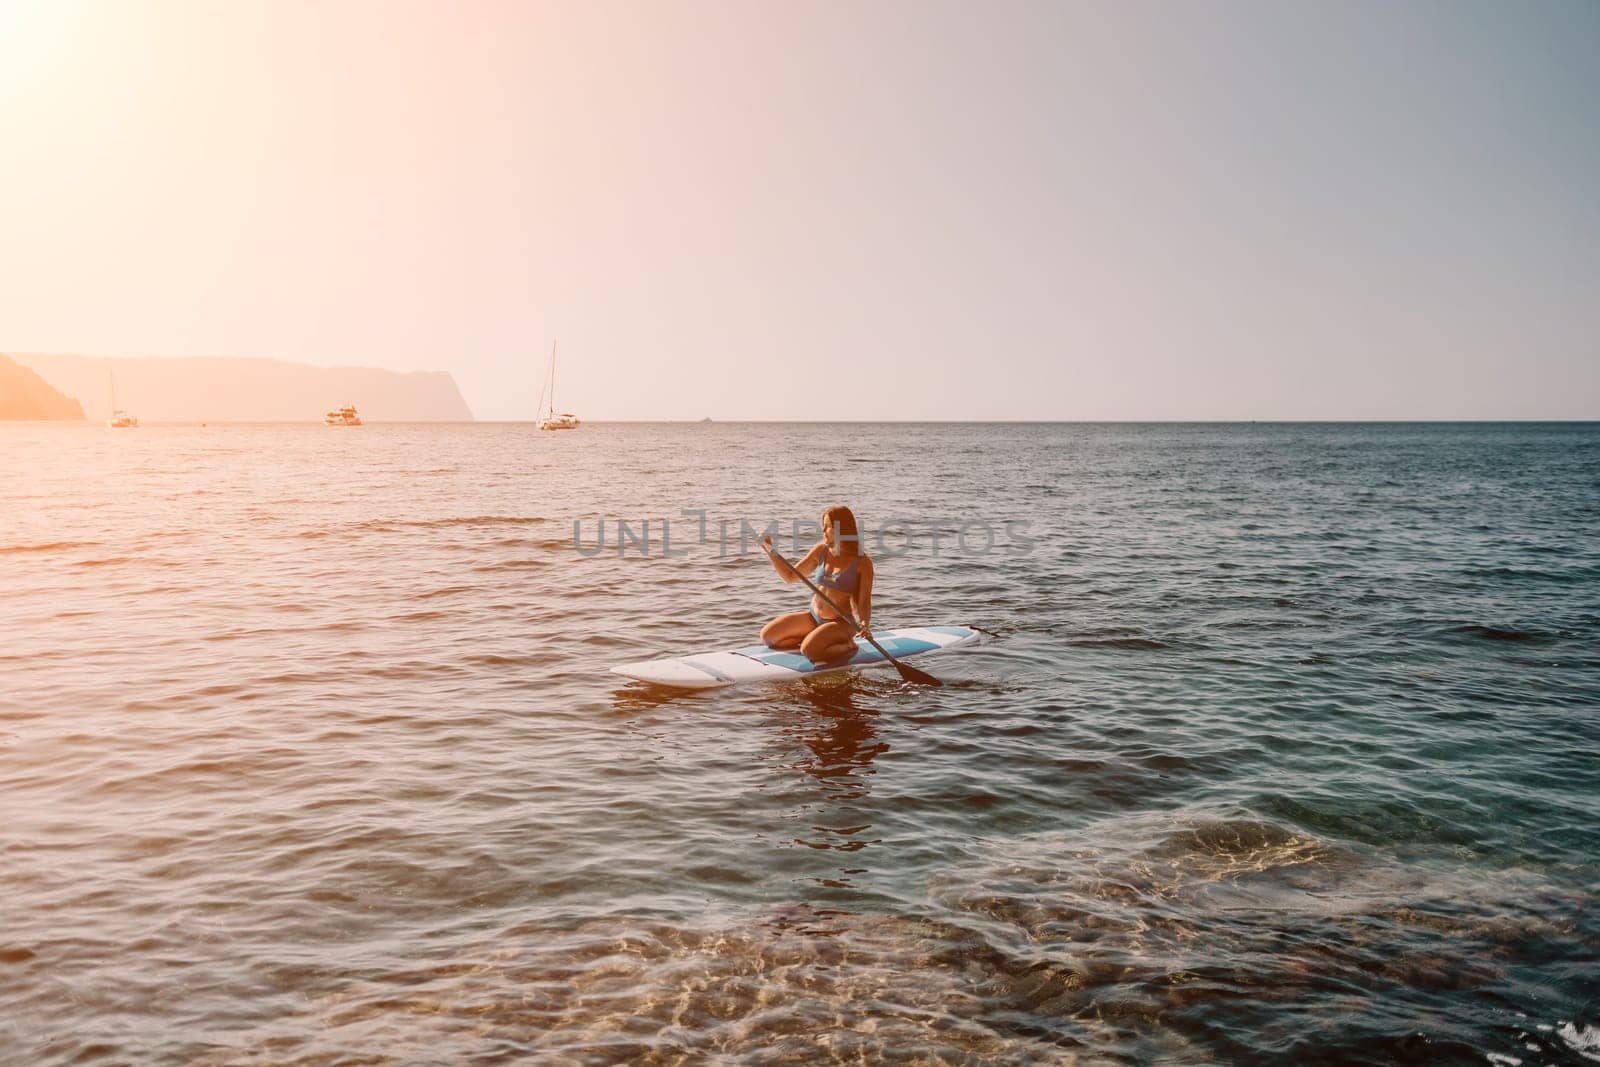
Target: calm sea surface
x=1285, y=748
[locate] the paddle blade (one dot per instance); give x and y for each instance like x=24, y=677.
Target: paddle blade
x=911, y=674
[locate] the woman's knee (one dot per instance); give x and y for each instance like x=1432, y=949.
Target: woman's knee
x=787, y=630
x=828, y=642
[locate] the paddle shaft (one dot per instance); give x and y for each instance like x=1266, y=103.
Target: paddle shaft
x=910, y=674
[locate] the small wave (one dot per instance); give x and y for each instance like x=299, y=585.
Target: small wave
x=291, y=678
x=1525, y=574
x=1135, y=644
x=1497, y=633
x=449, y=590
x=472, y=520
x=50, y=546
x=396, y=525
x=420, y=616
x=490, y=659
x=1165, y=761
x=511, y=565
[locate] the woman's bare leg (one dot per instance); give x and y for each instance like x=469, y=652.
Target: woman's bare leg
x=788, y=631
x=829, y=643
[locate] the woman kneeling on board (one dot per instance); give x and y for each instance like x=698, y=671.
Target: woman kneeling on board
x=844, y=574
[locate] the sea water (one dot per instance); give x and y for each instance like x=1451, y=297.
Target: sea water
x=1282, y=747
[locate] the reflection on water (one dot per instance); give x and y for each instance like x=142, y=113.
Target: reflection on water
x=827, y=732
x=843, y=745
x=842, y=740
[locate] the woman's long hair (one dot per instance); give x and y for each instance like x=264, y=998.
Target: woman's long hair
x=849, y=539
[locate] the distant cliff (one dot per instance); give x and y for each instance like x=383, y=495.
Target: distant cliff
x=221, y=389
x=25, y=395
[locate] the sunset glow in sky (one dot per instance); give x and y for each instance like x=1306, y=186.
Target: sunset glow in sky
x=762, y=210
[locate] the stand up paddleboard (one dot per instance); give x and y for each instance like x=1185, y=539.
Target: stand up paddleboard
x=758, y=663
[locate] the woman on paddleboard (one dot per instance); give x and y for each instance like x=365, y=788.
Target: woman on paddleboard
x=842, y=573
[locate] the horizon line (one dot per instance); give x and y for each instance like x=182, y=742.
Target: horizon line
x=853, y=422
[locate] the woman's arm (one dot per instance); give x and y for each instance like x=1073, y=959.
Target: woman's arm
x=788, y=571
x=863, y=597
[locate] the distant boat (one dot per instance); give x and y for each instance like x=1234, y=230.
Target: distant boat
x=706, y=419
x=345, y=416
x=119, y=420
x=552, y=421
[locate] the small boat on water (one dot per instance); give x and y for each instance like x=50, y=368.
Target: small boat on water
x=552, y=421
x=565, y=421
x=119, y=420
x=345, y=416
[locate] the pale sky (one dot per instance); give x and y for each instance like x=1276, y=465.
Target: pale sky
x=1191, y=210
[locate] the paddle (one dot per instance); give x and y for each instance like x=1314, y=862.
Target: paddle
x=910, y=674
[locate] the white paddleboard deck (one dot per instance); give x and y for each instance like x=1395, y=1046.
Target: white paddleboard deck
x=758, y=663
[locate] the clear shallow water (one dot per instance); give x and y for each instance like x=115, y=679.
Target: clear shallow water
x=1285, y=747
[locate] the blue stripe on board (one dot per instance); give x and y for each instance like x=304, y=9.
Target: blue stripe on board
x=896, y=646
x=794, y=661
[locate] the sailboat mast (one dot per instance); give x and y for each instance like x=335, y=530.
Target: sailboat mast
x=553, y=345
x=543, y=386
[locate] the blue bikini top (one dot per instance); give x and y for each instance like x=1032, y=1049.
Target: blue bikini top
x=846, y=581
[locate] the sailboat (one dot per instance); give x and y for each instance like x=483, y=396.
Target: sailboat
x=550, y=420
x=119, y=420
